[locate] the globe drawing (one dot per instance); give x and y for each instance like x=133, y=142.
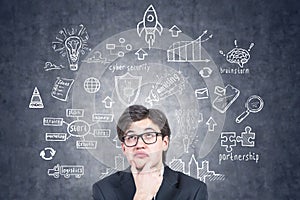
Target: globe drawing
x=91, y=85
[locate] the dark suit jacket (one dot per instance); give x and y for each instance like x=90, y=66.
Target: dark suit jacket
x=175, y=186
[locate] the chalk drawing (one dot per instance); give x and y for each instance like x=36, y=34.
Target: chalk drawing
x=91, y=85
x=175, y=31
x=118, y=50
x=51, y=66
x=62, y=88
x=72, y=42
x=254, y=104
x=128, y=88
x=47, y=153
x=226, y=97
x=238, y=55
x=188, y=51
x=36, y=99
x=202, y=173
x=149, y=25
x=167, y=85
x=66, y=171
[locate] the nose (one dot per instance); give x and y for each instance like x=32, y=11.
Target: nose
x=140, y=143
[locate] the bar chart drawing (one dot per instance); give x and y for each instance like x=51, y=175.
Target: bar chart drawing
x=188, y=51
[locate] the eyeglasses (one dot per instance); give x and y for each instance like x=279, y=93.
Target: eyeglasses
x=148, y=138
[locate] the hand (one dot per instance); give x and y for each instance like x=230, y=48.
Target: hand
x=147, y=181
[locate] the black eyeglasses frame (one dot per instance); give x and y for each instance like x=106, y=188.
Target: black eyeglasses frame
x=141, y=136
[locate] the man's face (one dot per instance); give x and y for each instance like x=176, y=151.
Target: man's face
x=144, y=153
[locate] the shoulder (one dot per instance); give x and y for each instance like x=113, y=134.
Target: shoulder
x=184, y=181
x=112, y=180
x=186, y=186
x=111, y=186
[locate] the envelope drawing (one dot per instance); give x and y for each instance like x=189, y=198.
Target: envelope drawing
x=220, y=91
x=201, y=93
x=223, y=102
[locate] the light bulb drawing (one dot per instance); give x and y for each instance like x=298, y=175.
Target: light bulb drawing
x=72, y=43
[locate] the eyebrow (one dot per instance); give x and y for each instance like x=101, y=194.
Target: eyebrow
x=146, y=129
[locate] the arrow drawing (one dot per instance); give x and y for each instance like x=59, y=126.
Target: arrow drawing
x=175, y=31
x=141, y=53
x=211, y=123
x=118, y=142
x=108, y=102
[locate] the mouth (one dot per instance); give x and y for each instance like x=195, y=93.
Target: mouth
x=141, y=155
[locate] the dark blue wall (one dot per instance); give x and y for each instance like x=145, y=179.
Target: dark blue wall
x=28, y=28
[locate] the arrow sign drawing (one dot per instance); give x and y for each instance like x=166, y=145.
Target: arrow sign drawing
x=117, y=141
x=141, y=54
x=175, y=31
x=211, y=123
x=108, y=102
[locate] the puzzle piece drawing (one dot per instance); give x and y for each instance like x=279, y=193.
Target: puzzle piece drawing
x=228, y=140
x=247, y=138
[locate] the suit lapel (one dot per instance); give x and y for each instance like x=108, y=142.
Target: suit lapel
x=127, y=186
x=168, y=188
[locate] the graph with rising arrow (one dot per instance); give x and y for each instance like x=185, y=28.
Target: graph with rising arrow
x=188, y=51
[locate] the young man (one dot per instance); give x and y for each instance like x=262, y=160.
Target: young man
x=145, y=135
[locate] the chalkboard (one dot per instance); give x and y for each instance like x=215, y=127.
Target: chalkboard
x=224, y=73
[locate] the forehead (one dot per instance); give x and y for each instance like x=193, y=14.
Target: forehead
x=142, y=125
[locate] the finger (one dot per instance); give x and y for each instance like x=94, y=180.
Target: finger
x=133, y=167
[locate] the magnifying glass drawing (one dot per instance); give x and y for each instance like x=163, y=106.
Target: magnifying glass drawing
x=253, y=104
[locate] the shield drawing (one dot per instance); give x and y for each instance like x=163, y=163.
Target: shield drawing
x=128, y=88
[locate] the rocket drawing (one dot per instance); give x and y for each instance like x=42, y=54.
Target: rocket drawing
x=150, y=25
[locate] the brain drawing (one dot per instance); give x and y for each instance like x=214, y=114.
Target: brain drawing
x=239, y=56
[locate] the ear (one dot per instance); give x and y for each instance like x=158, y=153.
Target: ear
x=165, y=143
x=123, y=147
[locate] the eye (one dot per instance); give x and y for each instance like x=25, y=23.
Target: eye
x=149, y=135
x=131, y=137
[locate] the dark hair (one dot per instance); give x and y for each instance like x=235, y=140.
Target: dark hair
x=138, y=112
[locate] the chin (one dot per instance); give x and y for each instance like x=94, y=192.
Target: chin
x=140, y=162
